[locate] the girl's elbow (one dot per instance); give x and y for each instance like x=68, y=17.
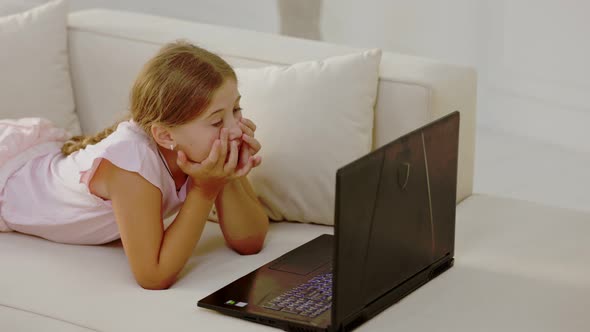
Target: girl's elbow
x=154, y=286
x=249, y=246
x=244, y=251
x=156, y=283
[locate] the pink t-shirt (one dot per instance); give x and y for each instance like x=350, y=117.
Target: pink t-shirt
x=49, y=195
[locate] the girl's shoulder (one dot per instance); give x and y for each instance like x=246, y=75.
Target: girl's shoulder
x=128, y=142
x=107, y=173
x=128, y=148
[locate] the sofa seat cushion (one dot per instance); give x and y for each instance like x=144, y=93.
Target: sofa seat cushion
x=519, y=266
x=18, y=320
x=92, y=286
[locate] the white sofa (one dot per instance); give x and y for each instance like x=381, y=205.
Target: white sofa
x=519, y=266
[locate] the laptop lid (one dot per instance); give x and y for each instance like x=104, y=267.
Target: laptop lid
x=395, y=218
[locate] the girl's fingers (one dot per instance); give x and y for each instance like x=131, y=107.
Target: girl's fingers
x=246, y=169
x=244, y=155
x=247, y=130
x=252, y=142
x=224, y=147
x=213, y=157
x=258, y=161
x=233, y=158
x=249, y=123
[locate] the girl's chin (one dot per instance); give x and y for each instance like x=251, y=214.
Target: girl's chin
x=192, y=159
x=198, y=160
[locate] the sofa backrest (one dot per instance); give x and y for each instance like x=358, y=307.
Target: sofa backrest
x=107, y=49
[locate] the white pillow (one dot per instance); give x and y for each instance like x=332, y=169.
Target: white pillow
x=312, y=118
x=34, y=68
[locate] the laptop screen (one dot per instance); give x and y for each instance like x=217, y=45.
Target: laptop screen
x=395, y=215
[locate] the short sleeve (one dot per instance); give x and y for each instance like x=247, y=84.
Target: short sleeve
x=132, y=154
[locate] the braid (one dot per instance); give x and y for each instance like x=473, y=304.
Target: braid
x=81, y=141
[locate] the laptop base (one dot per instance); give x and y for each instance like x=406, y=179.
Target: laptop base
x=397, y=294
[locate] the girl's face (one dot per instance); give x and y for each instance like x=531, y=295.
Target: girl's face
x=196, y=137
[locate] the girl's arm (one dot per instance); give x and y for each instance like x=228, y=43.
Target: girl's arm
x=242, y=219
x=155, y=256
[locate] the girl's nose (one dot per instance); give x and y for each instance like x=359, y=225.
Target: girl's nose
x=235, y=132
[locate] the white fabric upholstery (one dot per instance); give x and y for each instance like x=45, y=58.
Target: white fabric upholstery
x=312, y=118
x=34, y=68
x=107, y=49
x=526, y=168
x=519, y=267
x=17, y=320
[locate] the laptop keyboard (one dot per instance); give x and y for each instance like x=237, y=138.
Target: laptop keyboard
x=309, y=299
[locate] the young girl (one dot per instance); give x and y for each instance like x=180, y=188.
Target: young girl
x=185, y=148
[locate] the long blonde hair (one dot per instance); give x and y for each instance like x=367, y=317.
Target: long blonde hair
x=173, y=88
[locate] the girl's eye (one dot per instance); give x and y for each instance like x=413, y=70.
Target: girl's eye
x=217, y=124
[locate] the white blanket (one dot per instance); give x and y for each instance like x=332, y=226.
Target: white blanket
x=22, y=140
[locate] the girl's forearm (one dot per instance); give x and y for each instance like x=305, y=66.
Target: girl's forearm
x=181, y=237
x=242, y=219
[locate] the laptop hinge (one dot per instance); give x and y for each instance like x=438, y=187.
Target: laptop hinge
x=381, y=303
x=354, y=321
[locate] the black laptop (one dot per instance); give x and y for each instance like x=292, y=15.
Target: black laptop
x=394, y=231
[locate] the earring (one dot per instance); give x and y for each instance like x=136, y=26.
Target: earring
x=171, y=146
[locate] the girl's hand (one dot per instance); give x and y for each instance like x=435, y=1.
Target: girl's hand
x=250, y=147
x=210, y=175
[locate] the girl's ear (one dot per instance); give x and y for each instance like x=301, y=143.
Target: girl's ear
x=162, y=136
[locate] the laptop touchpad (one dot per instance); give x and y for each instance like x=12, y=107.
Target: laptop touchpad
x=300, y=263
x=307, y=257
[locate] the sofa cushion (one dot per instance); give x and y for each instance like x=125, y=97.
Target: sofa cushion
x=519, y=266
x=92, y=286
x=312, y=118
x=34, y=66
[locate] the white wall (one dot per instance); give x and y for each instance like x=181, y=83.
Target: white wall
x=532, y=56
x=537, y=71
x=447, y=30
